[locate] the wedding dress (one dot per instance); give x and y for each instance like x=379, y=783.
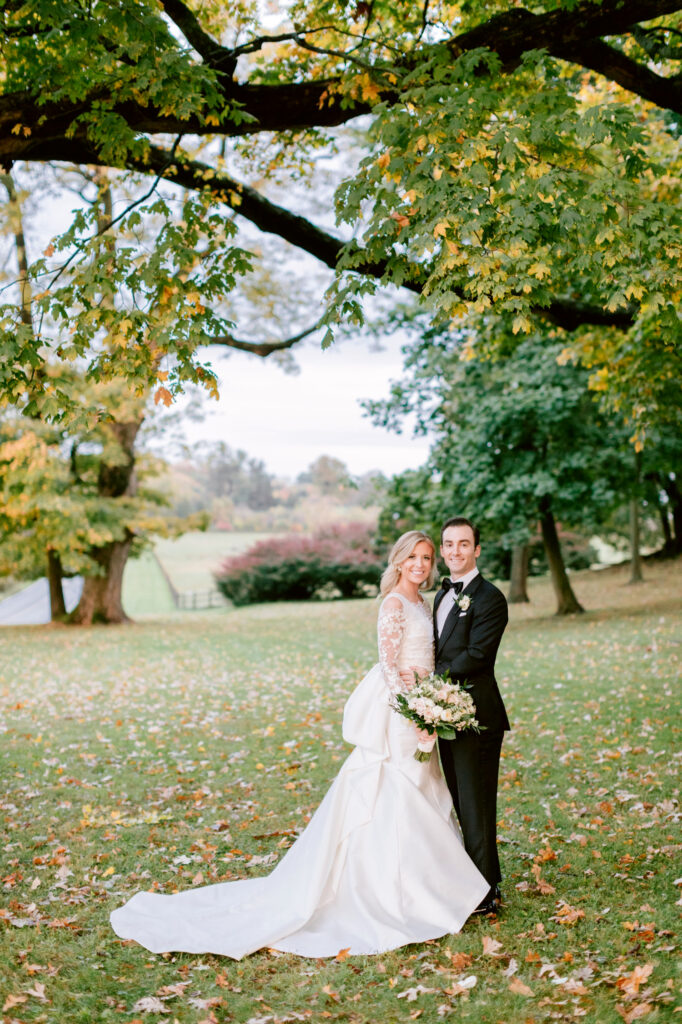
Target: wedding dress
x=381, y=862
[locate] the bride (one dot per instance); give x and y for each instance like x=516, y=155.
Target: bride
x=381, y=862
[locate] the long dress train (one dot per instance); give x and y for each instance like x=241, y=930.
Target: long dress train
x=381, y=862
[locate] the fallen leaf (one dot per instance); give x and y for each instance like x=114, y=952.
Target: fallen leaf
x=342, y=955
x=460, y=960
x=629, y=983
x=38, y=991
x=511, y=969
x=462, y=986
x=518, y=988
x=150, y=1004
x=490, y=946
x=13, y=1001
x=634, y=1012
x=566, y=914
x=413, y=993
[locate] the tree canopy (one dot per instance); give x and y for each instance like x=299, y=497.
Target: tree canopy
x=524, y=162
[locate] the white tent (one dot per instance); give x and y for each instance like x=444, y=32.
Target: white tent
x=31, y=606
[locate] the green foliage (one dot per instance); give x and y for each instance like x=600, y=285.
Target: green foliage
x=124, y=306
x=59, y=490
x=502, y=172
x=335, y=560
x=510, y=435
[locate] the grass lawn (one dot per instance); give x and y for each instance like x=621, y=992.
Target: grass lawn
x=182, y=750
x=191, y=559
x=145, y=591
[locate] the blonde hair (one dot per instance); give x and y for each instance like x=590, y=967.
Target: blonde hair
x=402, y=549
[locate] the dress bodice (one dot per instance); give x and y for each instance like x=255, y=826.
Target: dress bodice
x=405, y=637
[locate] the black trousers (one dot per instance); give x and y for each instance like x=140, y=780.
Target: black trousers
x=470, y=765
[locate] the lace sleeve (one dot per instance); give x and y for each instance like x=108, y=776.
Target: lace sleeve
x=391, y=627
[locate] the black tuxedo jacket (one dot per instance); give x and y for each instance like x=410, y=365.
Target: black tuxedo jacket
x=468, y=645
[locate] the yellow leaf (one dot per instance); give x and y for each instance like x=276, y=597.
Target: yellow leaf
x=521, y=323
x=440, y=229
x=539, y=270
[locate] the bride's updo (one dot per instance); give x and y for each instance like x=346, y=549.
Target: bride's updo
x=402, y=549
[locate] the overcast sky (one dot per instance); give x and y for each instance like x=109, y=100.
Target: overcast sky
x=288, y=420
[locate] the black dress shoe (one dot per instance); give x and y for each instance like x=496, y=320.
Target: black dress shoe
x=486, y=907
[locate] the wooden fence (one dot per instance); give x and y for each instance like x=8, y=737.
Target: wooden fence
x=195, y=600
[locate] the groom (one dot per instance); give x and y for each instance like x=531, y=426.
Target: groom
x=470, y=615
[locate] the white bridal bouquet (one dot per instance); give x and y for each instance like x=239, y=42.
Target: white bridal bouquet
x=440, y=707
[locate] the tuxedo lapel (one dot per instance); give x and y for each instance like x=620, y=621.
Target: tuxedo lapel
x=454, y=615
x=436, y=604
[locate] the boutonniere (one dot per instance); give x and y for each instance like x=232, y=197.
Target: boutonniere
x=463, y=602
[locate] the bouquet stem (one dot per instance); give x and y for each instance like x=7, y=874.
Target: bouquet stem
x=422, y=755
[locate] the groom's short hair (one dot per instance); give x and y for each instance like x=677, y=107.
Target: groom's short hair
x=462, y=521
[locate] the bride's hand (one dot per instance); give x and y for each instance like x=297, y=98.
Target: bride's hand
x=415, y=673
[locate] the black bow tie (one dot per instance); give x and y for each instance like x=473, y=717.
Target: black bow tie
x=448, y=584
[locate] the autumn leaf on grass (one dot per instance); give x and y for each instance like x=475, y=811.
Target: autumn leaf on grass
x=491, y=946
x=634, y=1012
x=629, y=983
x=547, y=853
x=518, y=988
x=460, y=960
x=413, y=993
x=38, y=992
x=543, y=887
x=566, y=914
x=150, y=1004
x=13, y=1001
x=461, y=986
x=342, y=955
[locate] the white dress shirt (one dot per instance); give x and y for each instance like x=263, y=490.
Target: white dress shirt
x=445, y=607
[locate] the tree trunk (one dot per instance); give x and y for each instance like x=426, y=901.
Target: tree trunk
x=54, y=578
x=567, y=602
x=668, y=544
x=673, y=492
x=518, y=593
x=635, y=554
x=101, y=597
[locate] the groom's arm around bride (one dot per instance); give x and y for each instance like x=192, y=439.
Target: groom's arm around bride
x=470, y=616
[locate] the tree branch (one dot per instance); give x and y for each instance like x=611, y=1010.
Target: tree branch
x=636, y=78
x=263, y=349
x=513, y=32
x=293, y=106
x=218, y=57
